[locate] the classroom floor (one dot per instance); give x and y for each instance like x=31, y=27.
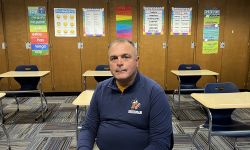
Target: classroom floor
x=58, y=130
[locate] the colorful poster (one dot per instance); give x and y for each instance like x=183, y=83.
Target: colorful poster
x=65, y=22
x=38, y=31
x=124, y=22
x=153, y=20
x=211, y=31
x=93, y=22
x=181, y=21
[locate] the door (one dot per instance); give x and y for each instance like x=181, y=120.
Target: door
x=95, y=47
x=152, y=47
x=209, y=61
x=235, y=55
x=15, y=24
x=180, y=47
x=66, y=57
x=3, y=54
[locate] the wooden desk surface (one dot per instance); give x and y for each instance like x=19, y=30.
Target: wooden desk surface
x=91, y=73
x=84, y=98
x=223, y=100
x=194, y=73
x=24, y=74
x=2, y=94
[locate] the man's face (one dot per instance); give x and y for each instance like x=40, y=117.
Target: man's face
x=123, y=62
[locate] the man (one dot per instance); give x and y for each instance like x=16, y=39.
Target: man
x=128, y=111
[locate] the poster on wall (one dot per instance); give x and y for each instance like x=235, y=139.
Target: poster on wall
x=124, y=22
x=93, y=22
x=211, y=31
x=153, y=20
x=38, y=31
x=181, y=21
x=65, y=22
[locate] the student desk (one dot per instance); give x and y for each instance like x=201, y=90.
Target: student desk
x=91, y=73
x=222, y=101
x=2, y=125
x=13, y=74
x=82, y=100
x=181, y=73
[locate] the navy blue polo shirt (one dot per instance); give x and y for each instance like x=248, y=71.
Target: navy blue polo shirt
x=137, y=119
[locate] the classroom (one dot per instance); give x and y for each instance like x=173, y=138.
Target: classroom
x=183, y=46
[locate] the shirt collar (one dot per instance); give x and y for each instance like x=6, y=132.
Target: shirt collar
x=136, y=82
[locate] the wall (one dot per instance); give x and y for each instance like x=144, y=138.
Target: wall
x=67, y=62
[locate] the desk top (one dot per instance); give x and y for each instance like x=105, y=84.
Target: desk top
x=2, y=94
x=194, y=73
x=91, y=73
x=223, y=100
x=24, y=74
x=84, y=98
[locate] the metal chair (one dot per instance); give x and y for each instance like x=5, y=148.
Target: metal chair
x=219, y=121
x=28, y=85
x=101, y=68
x=188, y=83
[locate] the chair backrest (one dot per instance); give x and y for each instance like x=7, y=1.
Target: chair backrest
x=225, y=87
x=189, y=82
x=219, y=115
x=101, y=68
x=27, y=83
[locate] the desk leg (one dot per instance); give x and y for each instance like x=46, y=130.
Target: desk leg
x=44, y=108
x=209, y=128
x=77, y=114
x=41, y=97
x=1, y=107
x=179, y=99
x=179, y=103
x=216, y=78
x=84, y=83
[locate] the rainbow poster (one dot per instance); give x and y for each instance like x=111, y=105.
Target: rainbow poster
x=124, y=22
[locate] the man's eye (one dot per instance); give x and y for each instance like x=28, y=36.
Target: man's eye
x=126, y=56
x=113, y=58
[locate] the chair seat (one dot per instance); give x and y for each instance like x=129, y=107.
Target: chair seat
x=232, y=129
x=188, y=86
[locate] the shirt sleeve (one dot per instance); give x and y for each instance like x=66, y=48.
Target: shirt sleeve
x=87, y=135
x=160, y=123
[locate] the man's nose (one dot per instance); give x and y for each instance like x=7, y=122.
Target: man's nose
x=120, y=61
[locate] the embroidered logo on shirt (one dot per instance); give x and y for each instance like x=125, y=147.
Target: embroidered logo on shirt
x=134, y=106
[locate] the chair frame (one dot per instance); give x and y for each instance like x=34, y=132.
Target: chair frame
x=38, y=90
x=229, y=133
x=179, y=90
